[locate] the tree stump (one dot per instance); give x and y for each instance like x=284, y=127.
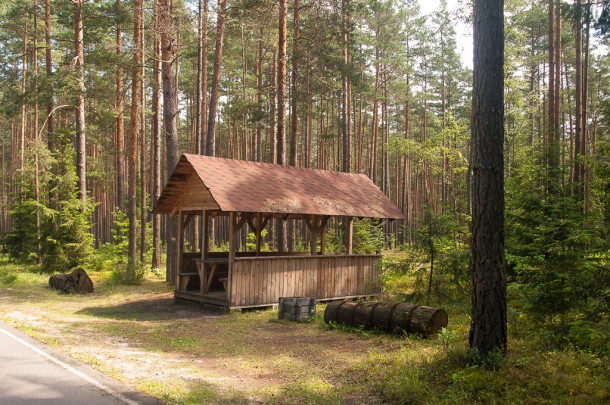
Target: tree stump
x=77, y=281
x=401, y=317
x=427, y=320
x=363, y=314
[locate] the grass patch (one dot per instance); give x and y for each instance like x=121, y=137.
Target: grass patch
x=188, y=356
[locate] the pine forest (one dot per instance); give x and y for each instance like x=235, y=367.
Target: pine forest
x=100, y=98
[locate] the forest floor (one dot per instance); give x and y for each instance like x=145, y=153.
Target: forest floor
x=183, y=355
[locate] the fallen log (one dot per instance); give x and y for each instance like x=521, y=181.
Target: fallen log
x=427, y=320
x=401, y=317
x=363, y=314
x=389, y=316
x=383, y=314
x=332, y=310
x=76, y=281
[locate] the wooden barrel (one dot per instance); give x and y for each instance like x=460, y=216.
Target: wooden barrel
x=382, y=314
x=363, y=314
x=401, y=317
x=345, y=314
x=331, y=311
x=427, y=320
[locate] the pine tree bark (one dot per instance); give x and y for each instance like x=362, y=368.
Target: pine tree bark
x=170, y=111
x=578, y=138
x=49, y=71
x=120, y=127
x=281, y=110
x=156, y=141
x=143, y=148
x=294, y=81
x=204, y=79
x=488, y=264
x=36, y=158
x=133, y=139
x=81, y=151
x=210, y=149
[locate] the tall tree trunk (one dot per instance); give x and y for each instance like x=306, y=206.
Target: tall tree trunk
x=170, y=112
x=81, y=151
x=294, y=81
x=292, y=159
x=49, y=71
x=488, y=264
x=204, y=80
x=143, y=182
x=259, y=97
x=24, y=69
x=36, y=159
x=578, y=138
x=133, y=138
x=220, y=29
x=272, y=108
x=156, y=140
x=374, y=125
x=346, y=133
x=198, y=85
x=120, y=127
x=281, y=110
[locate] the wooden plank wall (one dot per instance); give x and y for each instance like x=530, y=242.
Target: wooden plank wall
x=263, y=280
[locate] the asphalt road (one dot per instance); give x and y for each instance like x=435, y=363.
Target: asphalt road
x=32, y=373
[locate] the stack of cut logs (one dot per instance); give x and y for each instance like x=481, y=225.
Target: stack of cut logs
x=388, y=316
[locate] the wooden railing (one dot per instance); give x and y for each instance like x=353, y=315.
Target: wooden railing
x=257, y=281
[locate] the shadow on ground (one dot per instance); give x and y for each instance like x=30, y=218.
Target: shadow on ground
x=152, y=309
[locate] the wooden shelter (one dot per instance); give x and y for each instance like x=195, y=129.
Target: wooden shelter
x=250, y=194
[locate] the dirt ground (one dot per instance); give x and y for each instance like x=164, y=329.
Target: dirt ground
x=183, y=354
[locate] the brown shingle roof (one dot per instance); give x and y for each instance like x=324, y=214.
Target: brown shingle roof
x=242, y=186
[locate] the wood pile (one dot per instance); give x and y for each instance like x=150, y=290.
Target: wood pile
x=388, y=316
x=77, y=281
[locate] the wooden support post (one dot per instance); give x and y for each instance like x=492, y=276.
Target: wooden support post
x=180, y=249
x=258, y=230
x=314, y=234
x=322, y=232
x=232, y=231
x=350, y=235
x=322, y=238
x=201, y=266
x=205, y=237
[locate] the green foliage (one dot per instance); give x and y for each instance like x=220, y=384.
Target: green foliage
x=367, y=237
x=591, y=336
x=113, y=255
x=438, y=260
x=65, y=241
x=554, y=248
x=251, y=244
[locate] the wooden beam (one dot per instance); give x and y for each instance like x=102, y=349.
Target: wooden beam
x=265, y=222
x=244, y=218
x=188, y=218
